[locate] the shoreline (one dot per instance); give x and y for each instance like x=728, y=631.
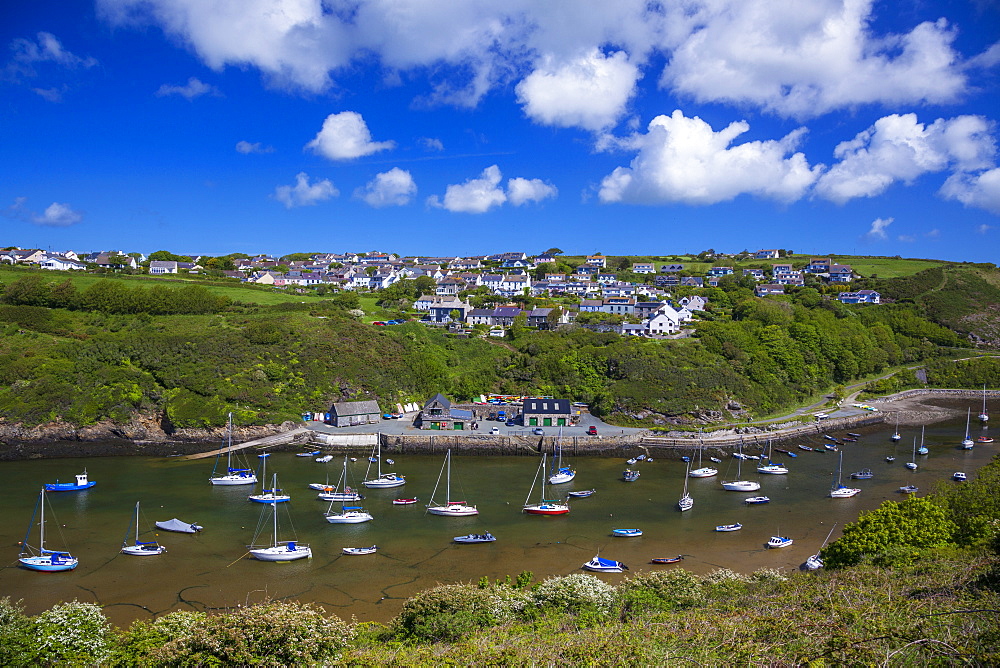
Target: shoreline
x=144, y=437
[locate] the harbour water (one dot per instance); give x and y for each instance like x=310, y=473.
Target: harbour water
x=210, y=570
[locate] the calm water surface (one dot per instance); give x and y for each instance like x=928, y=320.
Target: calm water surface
x=210, y=570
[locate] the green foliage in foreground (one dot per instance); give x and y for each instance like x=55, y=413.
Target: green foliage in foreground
x=925, y=590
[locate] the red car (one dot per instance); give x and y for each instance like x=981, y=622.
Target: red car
x=592, y=430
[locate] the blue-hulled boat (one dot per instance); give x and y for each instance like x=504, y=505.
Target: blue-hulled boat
x=81, y=483
x=44, y=560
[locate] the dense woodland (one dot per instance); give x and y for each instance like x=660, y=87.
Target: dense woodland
x=116, y=348
x=911, y=583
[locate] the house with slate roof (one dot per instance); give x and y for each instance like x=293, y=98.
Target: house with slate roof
x=438, y=414
x=547, y=412
x=350, y=413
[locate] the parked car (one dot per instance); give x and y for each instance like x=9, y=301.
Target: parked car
x=379, y=323
x=495, y=430
x=592, y=430
x=538, y=431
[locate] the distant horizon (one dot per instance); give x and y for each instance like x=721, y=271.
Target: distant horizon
x=865, y=125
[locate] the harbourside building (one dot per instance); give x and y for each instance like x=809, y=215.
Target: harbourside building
x=350, y=413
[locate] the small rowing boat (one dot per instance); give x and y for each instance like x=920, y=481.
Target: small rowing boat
x=360, y=550
x=666, y=560
x=626, y=532
x=729, y=527
x=582, y=493
x=404, y=502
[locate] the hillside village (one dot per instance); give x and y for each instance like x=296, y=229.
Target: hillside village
x=631, y=298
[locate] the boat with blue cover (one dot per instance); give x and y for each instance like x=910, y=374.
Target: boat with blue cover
x=627, y=532
x=45, y=560
x=600, y=565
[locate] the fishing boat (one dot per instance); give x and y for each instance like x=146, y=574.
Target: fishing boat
x=560, y=474
x=841, y=491
x=863, y=474
x=702, y=471
x=451, y=508
x=581, y=493
x=44, y=559
x=476, y=538
x=909, y=489
x=984, y=416
x=324, y=459
x=959, y=476
x=237, y=476
x=666, y=560
x=627, y=533
x=912, y=465
x=544, y=506
x=967, y=443
x=815, y=561
x=272, y=495
x=404, y=502
x=288, y=550
x=753, y=500
x=600, y=565
x=686, y=502
x=178, y=526
x=311, y=453
x=729, y=527
x=81, y=483
x=984, y=439
x=630, y=475
x=141, y=548
x=779, y=541
x=341, y=491
x=382, y=480
x=360, y=550
x=739, y=485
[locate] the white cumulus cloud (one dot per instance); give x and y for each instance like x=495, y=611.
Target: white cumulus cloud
x=345, y=136
x=878, y=227
x=591, y=91
x=46, y=49
x=304, y=193
x=475, y=195
x=393, y=188
x=521, y=191
x=192, y=89
x=55, y=215
x=899, y=148
x=981, y=191
x=805, y=59
x=683, y=159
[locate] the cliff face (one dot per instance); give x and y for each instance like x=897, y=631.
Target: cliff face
x=144, y=434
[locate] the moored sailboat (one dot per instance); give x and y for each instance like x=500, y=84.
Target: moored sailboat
x=382, y=480
x=740, y=485
x=560, y=474
x=451, y=508
x=239, y=476
x=44, y=559
x=967, y=443
x=289, y=550
x=272, y=495
x=686, y=502
x=544, y=506
x=141, y=548
x=984, y=416
x=840, y=491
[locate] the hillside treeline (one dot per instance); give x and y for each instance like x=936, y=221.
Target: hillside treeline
x=108, y=351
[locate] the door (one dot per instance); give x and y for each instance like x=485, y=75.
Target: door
x=547, y=422
x=561, y=422
x=533, y=422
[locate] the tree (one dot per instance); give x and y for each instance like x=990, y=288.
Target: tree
x=423, y=285
x=162, y=255
x=893, y=533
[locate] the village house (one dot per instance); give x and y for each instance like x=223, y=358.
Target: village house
x=860, y=297
x=644, y=310
x=618, y=289
x=544, y=259
x=160, y=267
x=587, y=270
x=767, y=254
x=544, y=412
x=632, y=329
x=720, y=271
x=666, y=321
x=619, y=305
x=61, y=263
x=693, y=302
x=671, y=268
x=606, y=279
x=643, y=268
x=668, y=280
x=841, y=273
x=438, y=415
x=350, y=413
x=819, y=265
x=591, y=305
x=692, y=282
x=466, y=264
x=756, y=274
x=442, y=308
x=765, y=289
x=599, y=261
x=539, y=317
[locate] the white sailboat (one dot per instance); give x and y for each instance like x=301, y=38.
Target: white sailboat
x=840, y=491
x=340, y=492
x=968, y=443
x=560, y=474
x=912, y=465
x=770, y=467
x=815, y=562
x=922, y=450
x=140, y=548
x=702, y=471
x=382, y=480
x=739, y=485
x=544, y=506
x=232, y=476
x=289, y=550
x=984, y=416
x=451, y=508
x=45, y=559
x=686, y=502
x=895, y=434
x=272, y=495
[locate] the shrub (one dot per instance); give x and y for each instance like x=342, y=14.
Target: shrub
x=575, y=593
x=660, y=590
x=74, y=632
x=452, y=612
x=141, y=641
x=271, y=633
x=16, y=637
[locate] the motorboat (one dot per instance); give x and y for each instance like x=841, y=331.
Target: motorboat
x=599, y=565
x=729, y=527
x=178, y=526
x=909, y=489
x=629, y=533
x=360, y=550
x=959, y=476
x=863, y=474
x=82, y=482
x=476, y=538
x=324, y=459
x=630, y=475
x=779, y=541
x=753, y=500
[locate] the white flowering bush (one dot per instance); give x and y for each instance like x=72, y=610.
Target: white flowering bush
x=575, y=593
x=275, y=633
x=768, y=575
x=74, y=632
x=661, y=590
x=451, y=612
x=725, y=576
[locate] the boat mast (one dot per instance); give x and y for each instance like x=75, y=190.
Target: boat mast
x=41, y=530
x=447, y=489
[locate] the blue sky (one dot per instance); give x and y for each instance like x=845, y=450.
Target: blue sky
x=423, y=127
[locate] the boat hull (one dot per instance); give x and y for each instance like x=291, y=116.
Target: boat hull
x=547, y=509
x=779, y=542
x=666, y=560
x=45, y=564
x=561, y=478
x=67, y=487
x=705, y=472
x=269, y=498
x=339, y=496
x=281, y=553
x=626, y=533
x=384, y=483
x=729, y=527
x=599, y=565
x=475, y=538
x=349, y=518
x=143, y=550
x=844, y=492
x=234, y=480
x=453, y=510
x=741, y=486
x=359, y=550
